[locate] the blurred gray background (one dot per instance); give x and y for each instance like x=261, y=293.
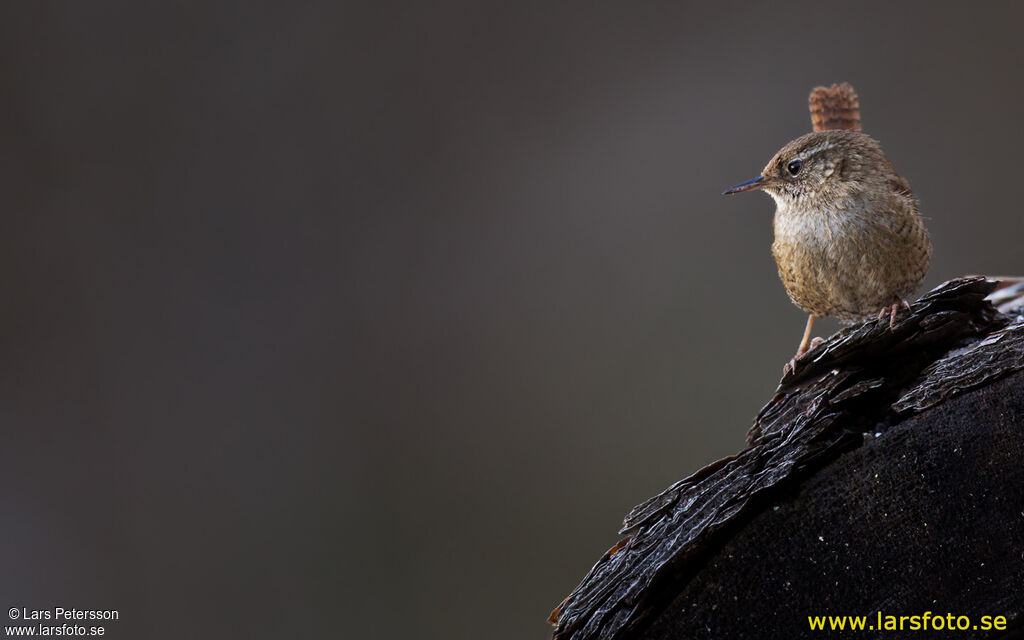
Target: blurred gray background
x=373, y=321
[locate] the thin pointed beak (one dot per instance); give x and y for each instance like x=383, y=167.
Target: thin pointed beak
x=755, y=183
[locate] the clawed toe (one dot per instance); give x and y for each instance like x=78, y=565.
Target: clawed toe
x=893, y=310
x=790, y=366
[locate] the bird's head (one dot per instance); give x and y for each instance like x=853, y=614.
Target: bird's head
x=822, y=164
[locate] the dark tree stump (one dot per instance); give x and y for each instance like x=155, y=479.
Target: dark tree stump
x=887, y=474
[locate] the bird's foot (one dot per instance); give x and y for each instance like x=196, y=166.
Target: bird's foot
x=893, y=310
x=791, y=365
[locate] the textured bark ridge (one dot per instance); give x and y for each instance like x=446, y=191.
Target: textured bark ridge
x=887, y=474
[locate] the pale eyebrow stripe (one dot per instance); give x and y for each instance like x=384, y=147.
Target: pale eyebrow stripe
x=828, y=144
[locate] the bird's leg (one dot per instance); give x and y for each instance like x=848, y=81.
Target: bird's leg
x=893, y=310
x=802, y=349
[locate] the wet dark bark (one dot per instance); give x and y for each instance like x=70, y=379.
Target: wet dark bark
x=887, y=474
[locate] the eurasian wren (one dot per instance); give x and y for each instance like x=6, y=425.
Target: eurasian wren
x=849, y=241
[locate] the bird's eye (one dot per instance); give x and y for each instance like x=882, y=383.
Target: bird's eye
x=794, y=167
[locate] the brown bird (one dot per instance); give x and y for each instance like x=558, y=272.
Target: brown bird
x=849, y=241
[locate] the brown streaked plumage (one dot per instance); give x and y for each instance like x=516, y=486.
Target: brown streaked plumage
x=849, y=241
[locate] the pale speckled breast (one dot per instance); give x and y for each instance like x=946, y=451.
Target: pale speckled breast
x=850, y=264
